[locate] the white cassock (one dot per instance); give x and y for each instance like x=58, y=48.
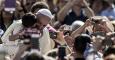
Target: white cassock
x=13, y=46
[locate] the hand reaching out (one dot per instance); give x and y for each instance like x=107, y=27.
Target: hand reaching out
x=88, y=22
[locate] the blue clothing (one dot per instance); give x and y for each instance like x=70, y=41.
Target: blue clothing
x=109, y=12
x=91, y=54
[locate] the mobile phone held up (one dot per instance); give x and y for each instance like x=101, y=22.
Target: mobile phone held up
x=35, y=41
x=61, y=53
x=10, y=5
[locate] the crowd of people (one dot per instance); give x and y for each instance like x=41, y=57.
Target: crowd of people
x=58, y=30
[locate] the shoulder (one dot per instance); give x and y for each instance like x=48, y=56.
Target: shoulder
x=17, y=22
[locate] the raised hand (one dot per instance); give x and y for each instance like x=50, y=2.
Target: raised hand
x=88, y=22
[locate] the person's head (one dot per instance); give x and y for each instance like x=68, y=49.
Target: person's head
x=7, y=14
x=32, y=55
x=109, y=53
x=37, y=6
x=28, y=20
x=100, y=22
x=44, y=16
x=81, y=42
x=75, y=25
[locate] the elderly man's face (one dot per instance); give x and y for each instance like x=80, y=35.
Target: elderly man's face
x=44, y=20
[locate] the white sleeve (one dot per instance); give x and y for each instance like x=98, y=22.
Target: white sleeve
x=5, y=37
x=11, y=46
x=14, y=27
x=45, y=43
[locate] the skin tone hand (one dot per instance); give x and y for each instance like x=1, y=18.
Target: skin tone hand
x=88, y=11
x=62, y=13
x=69, y=40
x=60, y=37
x=88, y=23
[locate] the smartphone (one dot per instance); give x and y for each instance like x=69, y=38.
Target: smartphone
x=53, y=35
x=67, y=28
x=35, y=41
x=10, y=5
x=62, y=52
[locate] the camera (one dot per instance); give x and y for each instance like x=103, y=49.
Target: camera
x=96, y=21
x=67, y=30
x=53, y=34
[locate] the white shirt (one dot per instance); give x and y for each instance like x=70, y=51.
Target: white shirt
x=13, y=46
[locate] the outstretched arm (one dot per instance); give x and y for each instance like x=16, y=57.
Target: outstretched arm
x=81, y=29
x=62, y=13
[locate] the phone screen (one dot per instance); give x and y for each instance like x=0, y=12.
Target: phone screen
x=68, y=28
x=10, y=5
x=62, y=52
x=35, y=41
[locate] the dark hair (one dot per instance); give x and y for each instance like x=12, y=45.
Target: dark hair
x=38, y=5
x=81, y=43
x=2, y=25
x=28, y=20
x=110, y=50
x=33, y=56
